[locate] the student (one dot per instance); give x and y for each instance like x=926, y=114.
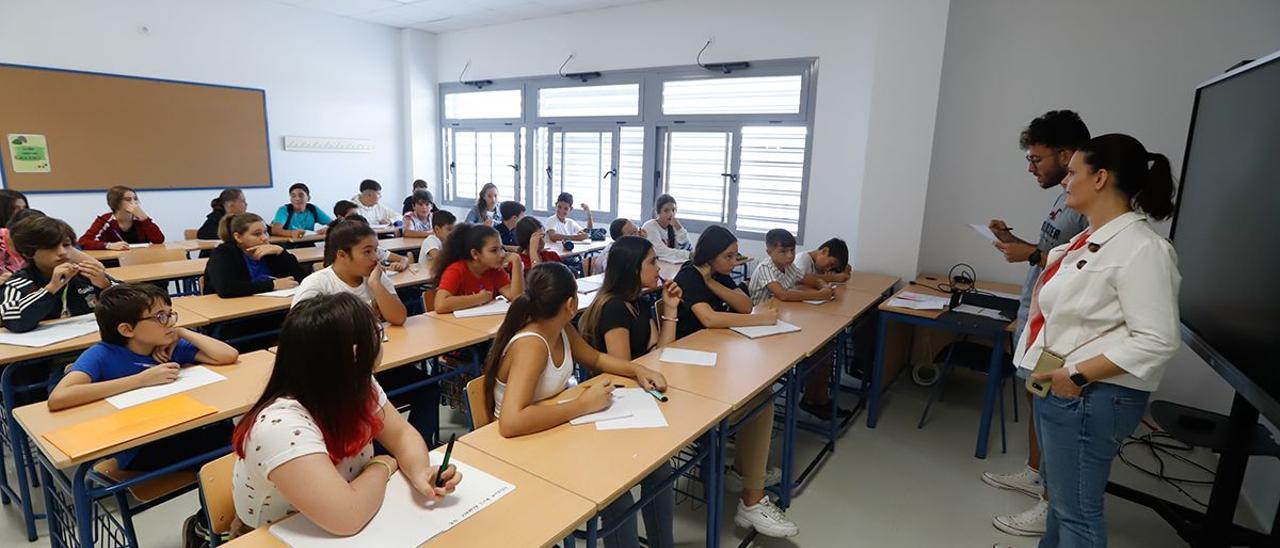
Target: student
x=11, y=260
x=369, y=206
x=11, y=201
x=417, y=222
x=532, y=245
x=141, y=347
x=669, y=237
x=1106, y=305
x=829, y=263
x=296, y=218
x=345, y=208
x=230, y=202
x=711, y=299
x=418, y=185
x=532, y=359
x=470, y=270
x=1050, y=141
x=486, y=209
x=246, y=263
x=307, y=444
x=392, y=261
x=562, y=227
x=351, y=250
x=619, y=228
x=511, y=213
x=441, y=226
x=126, y=224
x=780, y=278
x=53, y=284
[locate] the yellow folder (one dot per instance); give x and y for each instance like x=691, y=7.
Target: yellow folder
x=127, y=425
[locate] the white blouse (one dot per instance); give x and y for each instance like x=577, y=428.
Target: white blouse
x=658, y=236
x=1117, y=296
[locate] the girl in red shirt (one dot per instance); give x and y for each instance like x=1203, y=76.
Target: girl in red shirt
x=470, y=269
x=126, y=224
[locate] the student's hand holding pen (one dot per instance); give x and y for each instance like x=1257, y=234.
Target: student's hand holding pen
x=597, y=396
x=164, y=373
x=425, y=482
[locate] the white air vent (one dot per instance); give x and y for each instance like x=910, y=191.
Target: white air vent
x=327, y=144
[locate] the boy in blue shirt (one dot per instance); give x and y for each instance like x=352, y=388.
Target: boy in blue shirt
x=141, y=346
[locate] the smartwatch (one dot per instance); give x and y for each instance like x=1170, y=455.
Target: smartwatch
x=1077, y=377
x=1035, y=257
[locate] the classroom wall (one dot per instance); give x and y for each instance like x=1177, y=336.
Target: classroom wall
x=858, y=72
x=324, y=75
x=1127, y=67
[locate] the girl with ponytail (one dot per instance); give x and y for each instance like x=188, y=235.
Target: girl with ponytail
x=532, y=359
x=246, y=263
x=1102, y=327
x=229, y=202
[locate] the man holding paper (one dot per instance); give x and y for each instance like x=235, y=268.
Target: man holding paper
x=1050, y=141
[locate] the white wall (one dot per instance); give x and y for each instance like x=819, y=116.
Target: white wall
x=1127, y=67
x=844, y=35
x=324, y=76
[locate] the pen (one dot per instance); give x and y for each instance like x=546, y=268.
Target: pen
x=444, y=465
x=657, y=395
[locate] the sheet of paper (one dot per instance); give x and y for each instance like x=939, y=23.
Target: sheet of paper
x=1003, y=294
x=404, y=520
x=818, y=301
x=52, y=332
x=757, y=331
x=496, y=308
x=610, y=413
x=136, y=246
x=380, y=227
x=919, y=301
x=642, y=411
x=588, y=285
x=985, y=232
x=189, y=378
x=280, y=293
x=688, y=357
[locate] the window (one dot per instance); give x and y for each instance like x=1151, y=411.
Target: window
x=473, y=105
x=732, y=148
x=612, y=100
x=746, y=95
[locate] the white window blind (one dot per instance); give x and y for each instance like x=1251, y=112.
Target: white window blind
x=631, y=174
x=745, y=95
x=697, y=164
x=771, y=178
x=580, y=165
x=610, y=100
x=482, y=157
x=475, y=105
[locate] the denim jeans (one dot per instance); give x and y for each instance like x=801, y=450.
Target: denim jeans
x=1078, y=440
x=657, y=514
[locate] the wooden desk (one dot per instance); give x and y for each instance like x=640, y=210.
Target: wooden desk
x=308, y=254
x=926, y=285
x=316, y=253
x=483, y=324
x=217, y=309
x=406, y=278
x=424, y=336
x=536, y=513
x=600, y=465
x=848, y=303
x=167, y=270
x=743, y=367
x=579, y=248
x=10, y=353
x=196, y=245
x=114, y=254
x=234, y=396
x=871, y=282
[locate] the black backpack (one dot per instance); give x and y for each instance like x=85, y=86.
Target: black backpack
x=311, y=208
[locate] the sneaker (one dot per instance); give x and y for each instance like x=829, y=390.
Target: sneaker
x=1026, y=482
x=1030, y=523
x=766, y=519
x=823, y=410
x=733, y=480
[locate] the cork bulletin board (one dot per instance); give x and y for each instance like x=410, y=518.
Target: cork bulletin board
x=72, y=131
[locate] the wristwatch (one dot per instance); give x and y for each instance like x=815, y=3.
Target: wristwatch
x=1077, y=377
x=1034, y=258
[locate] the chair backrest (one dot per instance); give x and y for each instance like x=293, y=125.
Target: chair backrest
x=189, y=234
x=429, y=300
x=480, y=414
x=215, y=494
x=148, y=255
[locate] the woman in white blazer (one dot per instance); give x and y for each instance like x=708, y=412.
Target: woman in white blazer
x=1106, y=311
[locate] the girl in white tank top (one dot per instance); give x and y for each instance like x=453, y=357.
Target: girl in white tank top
x=555, y=377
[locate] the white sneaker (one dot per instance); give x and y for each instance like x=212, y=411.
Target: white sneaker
x=766, y=519
x=1027, y=481
x=1030, y=523
x=733, y=480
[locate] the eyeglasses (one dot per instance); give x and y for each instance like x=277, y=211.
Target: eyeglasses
x=163, y=318
x=1034, y=159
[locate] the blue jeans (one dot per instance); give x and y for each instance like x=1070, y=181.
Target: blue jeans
x=658, y=514
x=1078, y=440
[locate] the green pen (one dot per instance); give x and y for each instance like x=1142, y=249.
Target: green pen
x=444, y=465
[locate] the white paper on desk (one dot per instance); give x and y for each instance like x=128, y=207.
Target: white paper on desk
x=496, y=308
x=136, y=246
x=380, y=227
x=985, y=232
x=588, y=285
x=757, y=331
x=641, y=408
x=610, y=413
x=818, y=301
x=980, y=311
x=280, y=292
x=52, y=332
x=919, y=301
x=189, y=378
x=688, y=357
x=404, y=520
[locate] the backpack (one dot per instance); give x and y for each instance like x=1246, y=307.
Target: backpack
x=311, y=208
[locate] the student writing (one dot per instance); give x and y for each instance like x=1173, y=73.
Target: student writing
x=127, y=223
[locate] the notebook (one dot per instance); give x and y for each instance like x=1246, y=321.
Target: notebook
x=757, y=331
x=126, y=425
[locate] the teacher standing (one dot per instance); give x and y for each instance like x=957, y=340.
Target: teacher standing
x=1107, y=305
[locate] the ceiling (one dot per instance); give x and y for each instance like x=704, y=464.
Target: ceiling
x=450, y=15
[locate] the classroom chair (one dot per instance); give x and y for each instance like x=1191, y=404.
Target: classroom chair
x=476, y=411
x=189, y=233
x=148, y=493
x=429, y=299
x=216, y=504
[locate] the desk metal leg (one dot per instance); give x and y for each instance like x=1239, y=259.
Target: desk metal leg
x=995, y=369
x=1220, y=514
x=789, y=437
x=719, y=440
x=593, y=532
x=21, y=454
x=877, y=373
x=83, y=504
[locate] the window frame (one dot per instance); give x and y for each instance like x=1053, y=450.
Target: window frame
x=649, y=117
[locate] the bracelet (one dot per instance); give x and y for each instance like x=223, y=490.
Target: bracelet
x=384, y=465
x=666, y=319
